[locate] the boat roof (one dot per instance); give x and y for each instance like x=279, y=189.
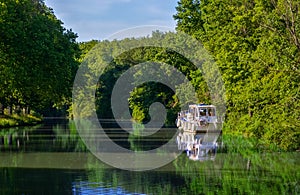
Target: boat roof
x=202, y=106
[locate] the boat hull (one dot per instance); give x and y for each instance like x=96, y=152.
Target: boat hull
x=197, y=127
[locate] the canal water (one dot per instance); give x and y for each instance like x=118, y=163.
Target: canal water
x=51, y=158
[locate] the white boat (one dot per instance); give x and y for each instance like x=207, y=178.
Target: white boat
x=199, y=118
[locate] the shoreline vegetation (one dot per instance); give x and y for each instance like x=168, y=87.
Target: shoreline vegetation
x=16, y=120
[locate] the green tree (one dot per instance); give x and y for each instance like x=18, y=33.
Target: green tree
x=256, y=46
x=39, y=56
x=143, y=95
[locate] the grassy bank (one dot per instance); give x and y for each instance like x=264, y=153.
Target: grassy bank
x=18, y=120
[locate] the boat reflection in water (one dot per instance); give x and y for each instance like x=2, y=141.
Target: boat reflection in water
x=198, y=146
x=200, y=127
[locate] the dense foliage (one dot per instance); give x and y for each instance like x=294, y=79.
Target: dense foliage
x=256, y=46
x=37, y=57
x=120, y=57
x=255, y=43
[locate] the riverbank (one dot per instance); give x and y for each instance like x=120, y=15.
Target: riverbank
x=18, y=120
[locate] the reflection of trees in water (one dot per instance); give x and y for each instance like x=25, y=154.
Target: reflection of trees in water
x=242, y=169
x=228, y=174
x=67, y=138
x=149, y=182
x=15, y=138
x=37, y=181
x=139, y=142
x=135, y=137
x=235, y=173
x=60, y=136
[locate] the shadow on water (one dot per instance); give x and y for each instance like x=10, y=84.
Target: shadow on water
x=52, y=159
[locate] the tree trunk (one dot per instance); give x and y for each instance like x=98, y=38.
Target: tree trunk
x=250, y=112
x=18, y=109
x=1, y=140
x=9, y=139
x=1, y=109
x=27, y=110
x=248, y=164
x=10, y=110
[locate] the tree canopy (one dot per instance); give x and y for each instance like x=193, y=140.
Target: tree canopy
x=256, y=46
x=38, y=56
x=122, y=55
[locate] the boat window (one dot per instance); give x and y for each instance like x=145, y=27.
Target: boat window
x=202, y=112
x=211, y=112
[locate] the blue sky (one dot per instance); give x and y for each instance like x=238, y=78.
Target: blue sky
x=99, y=19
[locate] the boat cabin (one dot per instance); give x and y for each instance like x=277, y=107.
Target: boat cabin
x=199, y=118
x=202, y=112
